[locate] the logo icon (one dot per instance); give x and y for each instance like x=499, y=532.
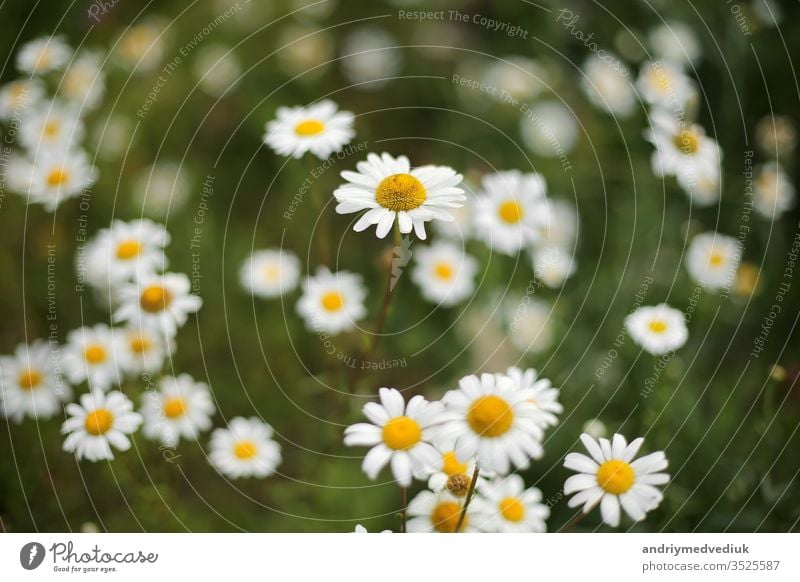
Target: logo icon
x=31, y=555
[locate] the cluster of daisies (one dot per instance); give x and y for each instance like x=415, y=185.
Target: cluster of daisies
x=467, y=447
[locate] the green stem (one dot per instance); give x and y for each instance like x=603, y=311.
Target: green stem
x=467, y=501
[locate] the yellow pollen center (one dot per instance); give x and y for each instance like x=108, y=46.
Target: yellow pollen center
x=272, y=272
x=57, y=177
x=51, y=128
x=657, y=326
x=155, y=298
x=30, y=379
x=615, y=477
x=510, y=212
x=98, y=421
x=444, y=271
x=332, y=301
x=129, y=249
x=43, y=59
x=716, y=259
x=245, y=450
x=140, y=344
x=95, y=354
x=490, y=416
x=401, y=433
x=451, y=465
x=686, y=141
x=512, y=509
x=174, y=407
x=309, y=127
x=445, y=517
x=400, y=192
x=661, y=80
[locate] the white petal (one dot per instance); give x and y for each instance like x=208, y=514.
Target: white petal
x=609, y=508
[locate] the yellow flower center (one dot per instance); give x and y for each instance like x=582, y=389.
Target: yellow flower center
x=129, y=249
x=309, y=127
x=401, y=433
x=98, y=421
x=510, y=212
x=174, y=407
x=445, y=517
x=155, y=298
x=687, y=141
x=716, y=259
x=512, y=509
x=400, y=192
x=95, y=354
x=658, y=326
x=615, y=477
x=451, y=465
x=30, y=379
x=245, y=450
x=332, y=301
x=140, y=344
x=661, y=80
x=444, y=271
x=51, y=128
x=43, y=59
x=57, y=177
x=490, y=416
x=272, y=272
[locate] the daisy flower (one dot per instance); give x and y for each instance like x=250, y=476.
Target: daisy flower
x=361, y=529
x=99, y=422
x=44, y=54
x=553, y=265
x=505, y=506
x=57, y=176
x=530, y=328
x=245, y=449
x=550, y=129
x=388, y=189
x=180, y=408
x=658, y=329
x=216, y=69
x=399, y=434
x=270, y=273
x=118, y=253
x=543, y=396
x=143, y=349
x=460, y=228
x=319, y=129
x=332, y=302
x=17, y=96
x=91, y=355
x=29, y=385
x=141, y=46
x=84, y=81
x=607, y=84
x=612, y=478
x=161, y=301
x=712, y=259
x=702, y=184
x=559, y=226
x=489, y=418
x=439, y=512
x=665, y=85
x=454, y=475
x=510, y=210
x=675, y=42
x=773, y=192
x=444, y=273
x=370, y=58
x=50, y=126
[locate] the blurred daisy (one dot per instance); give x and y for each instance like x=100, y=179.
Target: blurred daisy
x=712, y=259
x=44, y=54
x=332, y=302
x=18, y=96
x=370, y=57
x=665, y=85
x=270, y=273
x=216, y=69
x=161, y=301
x=681, y=149
x=510, y=210
x=549, y=129
x=506, y=506
x=595, y=428
x=675, y=42
x=110, y=138
x=305, y=51
x=388, y=189
x=701, y=183
x=399, y=434
x=143, y=349
x=141, y=46
x=454, y=475
x=444, y=273
x=612, y=478
x=319, y=129
x=101, y=421
x=773, y=192
x=245, y=449
x=29, y=385
x=543, y=396
x=489, y=418
x=529, y=325
x=559, y=227
x=747, y=279
x=607, y=84
x=659, y=329
x=50, y=126
x=84, y=81
x=553, y=265
x=119, y=252
x=57, y=176
x=161, y=188
x=180, y=408
x=520, y=77
x=91, y=355
x=460, y=228
x=776, y=135
x=439, y=512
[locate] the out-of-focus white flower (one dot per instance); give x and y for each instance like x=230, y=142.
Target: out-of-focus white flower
x=549, y=129
x=776, y=135
x=768, y=12
x=111, y=136
x=712, y=259
x=162, y=302
x=675, y=42
x=320, y=129
x=559, y=228
x=595, y=428
x=665, y=85
x=460, y=228
x=369, y=57
x=270, y=273
x=608, y=84
x=50, y=126
x=91, y=354
x=216, y=69
x=304, y=51
x=142, y=349
x=245, y=449
x=84, y=81
x=180, y=408
x=18, y=96
x=505, y=506
x=519, y=77
x=444, y=273
x=99, y=422
x=332, y=302
x=773, y=192
x=29, y=385
x=57, y=176
x=553, y=265
x=42, y=55
x=530, y=328
x=658, y=329
x=161, y=188
x=141, y=47
x=440, y=512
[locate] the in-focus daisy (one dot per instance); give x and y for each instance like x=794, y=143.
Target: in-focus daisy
x=612, y=478
x=439, y=512
x=51, y=126
x=510, y=210
x=270, y=273
x=658, y=329
x=332, y=302
x=489, y=418
x=319, y=129
x=388, y=189
x=143, y=348
x=84, y=81
x=543, y=395
x=444, y=273
x=712, y=259
x=58, y=175
x=607, y=84
x=530, y=326
x=18, y=96
x=245, y=449
x=44, y=54
x=399, y=434
x=29, y=385
x=553, y=265
x=773, y=192
x=101, y=421
x=505, y=506
x=91, y=355
x=180, y=408
x=119, y=252
x=665, y=85
x=161, y=301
